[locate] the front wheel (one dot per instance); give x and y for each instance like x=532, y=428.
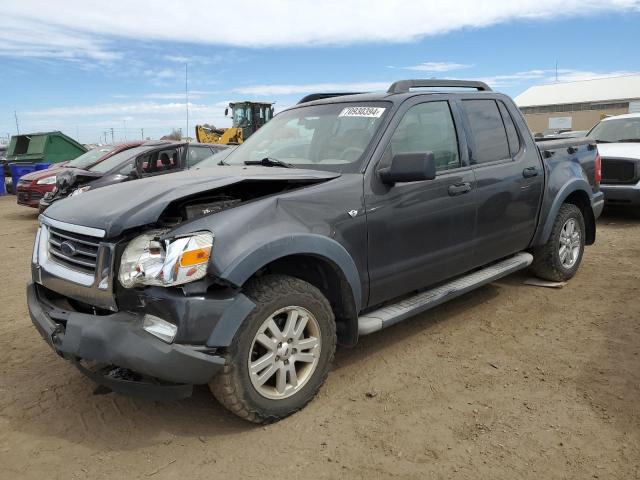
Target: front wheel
x=281, y=353
x=559, y=259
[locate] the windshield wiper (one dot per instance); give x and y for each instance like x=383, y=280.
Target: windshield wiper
x=603, y=141
x=269, y=162
x=629, y=140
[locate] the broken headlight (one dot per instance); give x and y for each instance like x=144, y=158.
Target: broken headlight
x=174, y=261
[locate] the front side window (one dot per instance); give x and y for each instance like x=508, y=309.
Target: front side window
x=324, y=137
x=489, y=135
x=159, y=161
x=428, y=127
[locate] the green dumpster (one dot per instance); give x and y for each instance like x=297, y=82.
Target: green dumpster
x=42, y=147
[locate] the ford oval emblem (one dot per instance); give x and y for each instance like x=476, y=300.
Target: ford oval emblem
x=68, y=248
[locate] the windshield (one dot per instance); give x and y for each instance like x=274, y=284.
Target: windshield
x=323, y=137
x=88, y=159
x=617, y=130
x=118, y=159
x=215, y=159
x=241, y=115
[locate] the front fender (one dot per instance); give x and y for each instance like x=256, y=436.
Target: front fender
x=243, y=267
x=546, y=223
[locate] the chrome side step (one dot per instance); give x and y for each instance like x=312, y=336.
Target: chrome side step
x=408, y=307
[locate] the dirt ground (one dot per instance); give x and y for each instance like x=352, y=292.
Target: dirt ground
x=510, y=381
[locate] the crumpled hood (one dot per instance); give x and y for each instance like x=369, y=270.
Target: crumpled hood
x=619, y=150
x=116, y=208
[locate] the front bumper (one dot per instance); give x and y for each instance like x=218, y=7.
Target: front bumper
x=30, y=196
x=621, y=195
x=118, y=339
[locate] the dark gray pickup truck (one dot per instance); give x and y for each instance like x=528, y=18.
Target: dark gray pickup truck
x=342, y=216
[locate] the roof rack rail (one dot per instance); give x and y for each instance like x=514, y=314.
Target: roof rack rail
x=403, y=86
x=319, y=96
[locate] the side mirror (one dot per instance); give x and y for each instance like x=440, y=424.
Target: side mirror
x=409, y=167
x=226, y=112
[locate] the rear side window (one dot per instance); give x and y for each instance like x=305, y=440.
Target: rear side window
x=509, y=125
x=428, y=127
x=489, y=135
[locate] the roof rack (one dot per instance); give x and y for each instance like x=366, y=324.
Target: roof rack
x=319, y=96
x=403, y=86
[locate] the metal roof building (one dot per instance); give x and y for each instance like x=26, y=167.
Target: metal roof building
x=579, y=105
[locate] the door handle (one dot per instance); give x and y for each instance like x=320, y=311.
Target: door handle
x=459, y=189
x=530, y=172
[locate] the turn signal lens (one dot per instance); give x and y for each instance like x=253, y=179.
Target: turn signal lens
x=195, y=257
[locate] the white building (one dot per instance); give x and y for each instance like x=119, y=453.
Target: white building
x=579, y=105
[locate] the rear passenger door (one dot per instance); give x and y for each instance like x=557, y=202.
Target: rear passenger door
x=509, y=179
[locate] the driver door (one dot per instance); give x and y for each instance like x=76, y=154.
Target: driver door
x=421, y=233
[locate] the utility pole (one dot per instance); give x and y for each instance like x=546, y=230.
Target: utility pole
x=77, y=133
x=124, y=122
x=186, y=92
x=556, y=70
x=112, y=141
x=15, y=114
x=142, y=134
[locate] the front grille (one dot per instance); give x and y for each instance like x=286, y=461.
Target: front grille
x=619, y=171
x=29, y=196
x=78, y=252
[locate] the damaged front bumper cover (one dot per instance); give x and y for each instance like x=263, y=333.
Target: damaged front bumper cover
x=162, y=371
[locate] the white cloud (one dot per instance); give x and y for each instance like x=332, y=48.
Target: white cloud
x=156, y=118
x=290, y=89
x=548, y=76
x=437, y=67
x=78, y=28
x=38, y=39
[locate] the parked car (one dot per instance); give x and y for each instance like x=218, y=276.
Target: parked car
x=340, y=217
x=33, y=186
x=618, y=141
x=147, y=160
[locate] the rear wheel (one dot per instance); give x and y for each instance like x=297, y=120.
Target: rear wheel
x=281, y=353
x=559, y=259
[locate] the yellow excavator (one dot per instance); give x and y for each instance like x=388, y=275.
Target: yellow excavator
x=247, y=118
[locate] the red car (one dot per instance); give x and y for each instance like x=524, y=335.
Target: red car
x=32, y=187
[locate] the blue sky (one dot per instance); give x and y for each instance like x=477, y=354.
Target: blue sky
x=88, y=67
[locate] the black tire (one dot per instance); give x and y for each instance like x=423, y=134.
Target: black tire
x=546, y=258
x=233, y=387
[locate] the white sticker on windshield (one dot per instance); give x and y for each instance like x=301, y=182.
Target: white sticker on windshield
x=372, y=112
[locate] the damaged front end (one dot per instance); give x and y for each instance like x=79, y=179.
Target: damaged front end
x=69, y=182
x=135, y=304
